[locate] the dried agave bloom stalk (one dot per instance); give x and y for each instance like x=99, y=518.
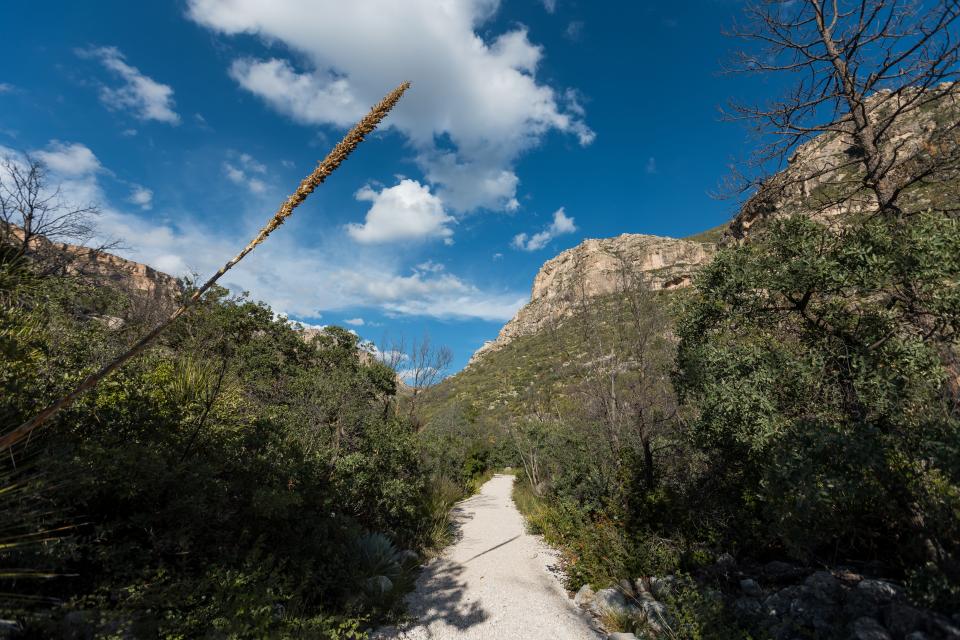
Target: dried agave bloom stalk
x=327, y=166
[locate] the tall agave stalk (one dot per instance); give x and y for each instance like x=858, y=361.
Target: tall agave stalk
x=327, y=166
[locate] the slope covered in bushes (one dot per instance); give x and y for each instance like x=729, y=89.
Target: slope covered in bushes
x=236, y=479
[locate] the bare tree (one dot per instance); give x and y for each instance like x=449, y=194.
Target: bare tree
x=34, y=214
x=392, y=352
x=620, y=347
x=425, y=366
x=419, y=365
x=865, y=72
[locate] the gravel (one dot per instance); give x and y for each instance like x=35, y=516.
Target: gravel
x=495, y=582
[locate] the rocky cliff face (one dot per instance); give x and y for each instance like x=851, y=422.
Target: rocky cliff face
x=102, y=267
x=594, y=268
x=823, y=180
x=125, y=274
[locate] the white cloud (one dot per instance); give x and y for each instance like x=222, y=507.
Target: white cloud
x=651, y=166
x=562, y=224
x=240, y=171
x=6, y=87
x=142, y=196
x=476, y=103
x=144, y=96
x=442, y=296
x=355, y=322
x=69, y=160
x=250, y=164
x=407, y=211
x=550, y=5
x=574, y=30
x=430, y=266
x=303, y=279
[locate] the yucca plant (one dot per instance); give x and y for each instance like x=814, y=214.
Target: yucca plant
x=29, y=533
x=379, y=564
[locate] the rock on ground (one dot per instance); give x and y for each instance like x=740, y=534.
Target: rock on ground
x=494, y=582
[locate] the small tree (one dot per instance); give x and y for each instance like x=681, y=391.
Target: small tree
x=621, y=348
x=34, y=213
x=420, y=365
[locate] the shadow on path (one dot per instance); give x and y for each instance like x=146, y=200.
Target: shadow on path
x=441, y=580
x=493, y=548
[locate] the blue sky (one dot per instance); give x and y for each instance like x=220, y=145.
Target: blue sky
x=531, y=125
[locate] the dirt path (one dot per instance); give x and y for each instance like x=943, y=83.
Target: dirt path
x=494, y=582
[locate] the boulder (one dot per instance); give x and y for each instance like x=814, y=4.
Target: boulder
x=656, y=613
x=823, y=586
x=778, y=604
x=609, y=601
x=750, y=588
x=901, y=619
x=584, y=597
x=868, y=629
x=662, y=588
x=880, y=591
x=726, y=562
x=378, y=585
x=747, y=609
x=621, y=635
x=642, y=585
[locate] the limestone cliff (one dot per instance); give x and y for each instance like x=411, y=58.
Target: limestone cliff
x=593, y=268
x=822, y=178
x=102, y=267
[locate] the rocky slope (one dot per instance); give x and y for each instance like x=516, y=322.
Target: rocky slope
x=821, y=179
x=104, y=268
x=593, y=269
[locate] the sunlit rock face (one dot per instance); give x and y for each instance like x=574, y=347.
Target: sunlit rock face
x=594, y=268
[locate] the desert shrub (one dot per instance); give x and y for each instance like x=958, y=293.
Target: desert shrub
x=819, y=363
x=221, y=484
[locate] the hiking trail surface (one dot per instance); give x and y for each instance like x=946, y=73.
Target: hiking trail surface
x=495, y=582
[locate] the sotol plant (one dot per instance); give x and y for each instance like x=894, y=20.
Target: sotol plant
x=327, y=166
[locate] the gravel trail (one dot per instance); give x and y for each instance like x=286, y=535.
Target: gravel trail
x=494, y=582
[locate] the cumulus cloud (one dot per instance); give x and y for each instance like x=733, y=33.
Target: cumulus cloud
x=141, y=94
x=562, y=224
x=242, y=169
x=142, y=196
x=407, y=211
x=69, y=160
x=550, y=5
x=295, y=278
x=6, y=87
x=476, y=102
x=444, y=295
x=355, y=322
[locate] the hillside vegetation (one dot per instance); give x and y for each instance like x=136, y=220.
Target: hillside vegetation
x=241, y=479
x=798, y=404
